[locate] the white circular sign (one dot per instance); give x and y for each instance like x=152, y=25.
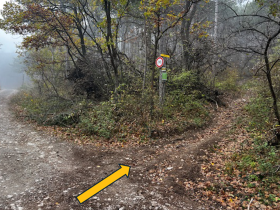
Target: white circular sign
x=159, y=62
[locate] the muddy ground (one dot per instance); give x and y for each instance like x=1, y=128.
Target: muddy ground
x=38, y=171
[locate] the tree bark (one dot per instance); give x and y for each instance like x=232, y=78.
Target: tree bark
x=268, y=76
x=109, y=39
x=272, y=92
x=185, y=35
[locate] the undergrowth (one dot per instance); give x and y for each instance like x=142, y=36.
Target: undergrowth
x=245, y=170
x=258, y=162
x=130, y=114
x=227, y=80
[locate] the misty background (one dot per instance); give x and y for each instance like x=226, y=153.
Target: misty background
x=11, y=68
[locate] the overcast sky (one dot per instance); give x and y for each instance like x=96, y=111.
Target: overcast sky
x=8, y=41
x=9, y=71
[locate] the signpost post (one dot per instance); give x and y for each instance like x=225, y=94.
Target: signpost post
x=162, y=77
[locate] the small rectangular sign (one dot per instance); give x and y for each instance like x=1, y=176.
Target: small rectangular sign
x=163, y=55
x=164, y=76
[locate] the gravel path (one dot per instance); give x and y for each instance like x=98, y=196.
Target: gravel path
x=27, y=158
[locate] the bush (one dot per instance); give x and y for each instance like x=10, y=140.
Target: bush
x=45, y=110
x=260, y=112
x=187, y=98
x=128, y=113
x=99, y=120
x=227, y=80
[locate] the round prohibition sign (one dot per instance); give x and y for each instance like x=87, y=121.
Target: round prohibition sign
x=159, y=62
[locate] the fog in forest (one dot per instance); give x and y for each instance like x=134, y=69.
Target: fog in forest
x=11, y=69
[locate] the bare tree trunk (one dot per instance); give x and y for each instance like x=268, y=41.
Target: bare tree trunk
x=272, y=92
x=216, y=21
x=185, y=35
x=146, y=55
x=215, y=40
x=275, y=106
x=109, y=38
x=268, y=76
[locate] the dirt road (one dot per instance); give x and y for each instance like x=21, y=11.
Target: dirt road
x=38, y=171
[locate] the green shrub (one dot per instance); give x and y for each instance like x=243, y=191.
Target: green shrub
x=42, y=109
x=99, y=120
x=185, y=95
x=260, y=112
x=128, y=113
x=227, y=80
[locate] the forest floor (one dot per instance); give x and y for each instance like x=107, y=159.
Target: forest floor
x=40, y=171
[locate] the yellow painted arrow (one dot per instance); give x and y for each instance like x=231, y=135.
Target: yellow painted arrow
x=124, y=170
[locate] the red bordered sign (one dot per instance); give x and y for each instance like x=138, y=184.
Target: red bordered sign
x=159, y=62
